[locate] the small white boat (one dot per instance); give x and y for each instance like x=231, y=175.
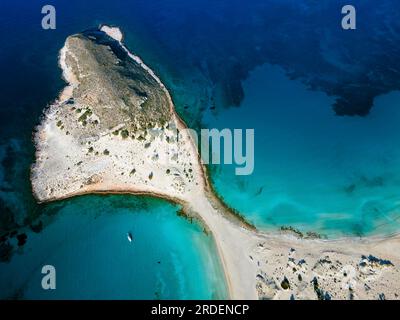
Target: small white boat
x=129, y=236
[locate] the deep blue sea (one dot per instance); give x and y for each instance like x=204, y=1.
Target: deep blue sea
x=323, y=103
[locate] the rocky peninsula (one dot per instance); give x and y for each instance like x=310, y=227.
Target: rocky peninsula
x=114, y=129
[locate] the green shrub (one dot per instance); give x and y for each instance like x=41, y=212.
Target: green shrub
x=124, y=134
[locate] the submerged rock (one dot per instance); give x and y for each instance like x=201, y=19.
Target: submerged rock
x=37, y=227
x=22, y=239
x=5, y=251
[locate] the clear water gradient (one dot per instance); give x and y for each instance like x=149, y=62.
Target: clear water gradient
x=86, y=241
x=313, y=170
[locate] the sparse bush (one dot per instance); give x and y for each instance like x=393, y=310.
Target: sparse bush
x=124, y=134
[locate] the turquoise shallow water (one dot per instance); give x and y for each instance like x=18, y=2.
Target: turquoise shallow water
x=86, y=241
x=313, y=170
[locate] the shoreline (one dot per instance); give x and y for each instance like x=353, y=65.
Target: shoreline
x=240, y=246
x=273, y=232
x=66, y=93
x=171, y=200
x=115, y=33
